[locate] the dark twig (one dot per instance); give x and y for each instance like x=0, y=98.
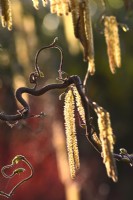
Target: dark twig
x=53, y=45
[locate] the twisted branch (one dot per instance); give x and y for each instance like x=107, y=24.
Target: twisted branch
x=24, y=113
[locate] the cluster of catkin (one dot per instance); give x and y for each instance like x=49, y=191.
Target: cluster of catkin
x=107, y=139
x=82, y=25
x=81, y=18
x=60, y=7
x=113, y=43
x=72, y=101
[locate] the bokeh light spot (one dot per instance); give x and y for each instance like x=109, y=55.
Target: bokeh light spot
x=51, y=22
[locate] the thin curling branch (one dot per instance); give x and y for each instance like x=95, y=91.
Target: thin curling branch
x=52, y=45
x=17, y=159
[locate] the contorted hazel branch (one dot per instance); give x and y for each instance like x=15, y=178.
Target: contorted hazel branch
x=75, y=98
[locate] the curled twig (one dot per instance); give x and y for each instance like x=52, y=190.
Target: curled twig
x=16, y=160
x=52, y=45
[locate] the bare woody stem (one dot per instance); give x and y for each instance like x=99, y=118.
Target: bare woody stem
x=15, y=161
x=52, y=45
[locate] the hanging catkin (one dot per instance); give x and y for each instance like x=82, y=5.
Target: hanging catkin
x=107, y=141
x=70, y=129
x=113, y=42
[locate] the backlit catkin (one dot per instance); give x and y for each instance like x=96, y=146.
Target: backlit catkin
x=44, y=2
x=60, y=7
x=79, y=105
x=36, y=4
x=113, y=42
x=107, y=142
x=70, y=129
x=89, y=36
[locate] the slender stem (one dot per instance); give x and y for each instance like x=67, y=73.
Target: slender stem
x=21, y=158
x=52, y=45
x=86, y=77
x=24, y=180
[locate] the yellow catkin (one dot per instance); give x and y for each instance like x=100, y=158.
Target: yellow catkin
x=36, y=4
x=6, y=14
x=117, y=51
x=60, y=7
x=107, y=142
x=96, y=139
x=44, y=2
x=66, y=7
x=53, y=5
x=79, y=104
x=71, y=139
x=112, y=41
x=89, y=36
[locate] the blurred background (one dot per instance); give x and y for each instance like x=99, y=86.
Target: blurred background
x=42, y=140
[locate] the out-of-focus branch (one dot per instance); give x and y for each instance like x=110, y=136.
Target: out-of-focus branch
x=124, y=156
x=15, y=161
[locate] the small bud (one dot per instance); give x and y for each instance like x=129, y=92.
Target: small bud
x=17, y=158
x=18, y=171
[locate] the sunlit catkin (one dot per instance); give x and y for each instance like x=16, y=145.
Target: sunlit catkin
x=71, y=139
x=36, y=4
x=60, y=7
x=107, y=142
x=53, y=5
x=6, y=15
x=79, y=105
x=44, y=2
x=117, y=50
x=113, y=42
x=89, y=36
